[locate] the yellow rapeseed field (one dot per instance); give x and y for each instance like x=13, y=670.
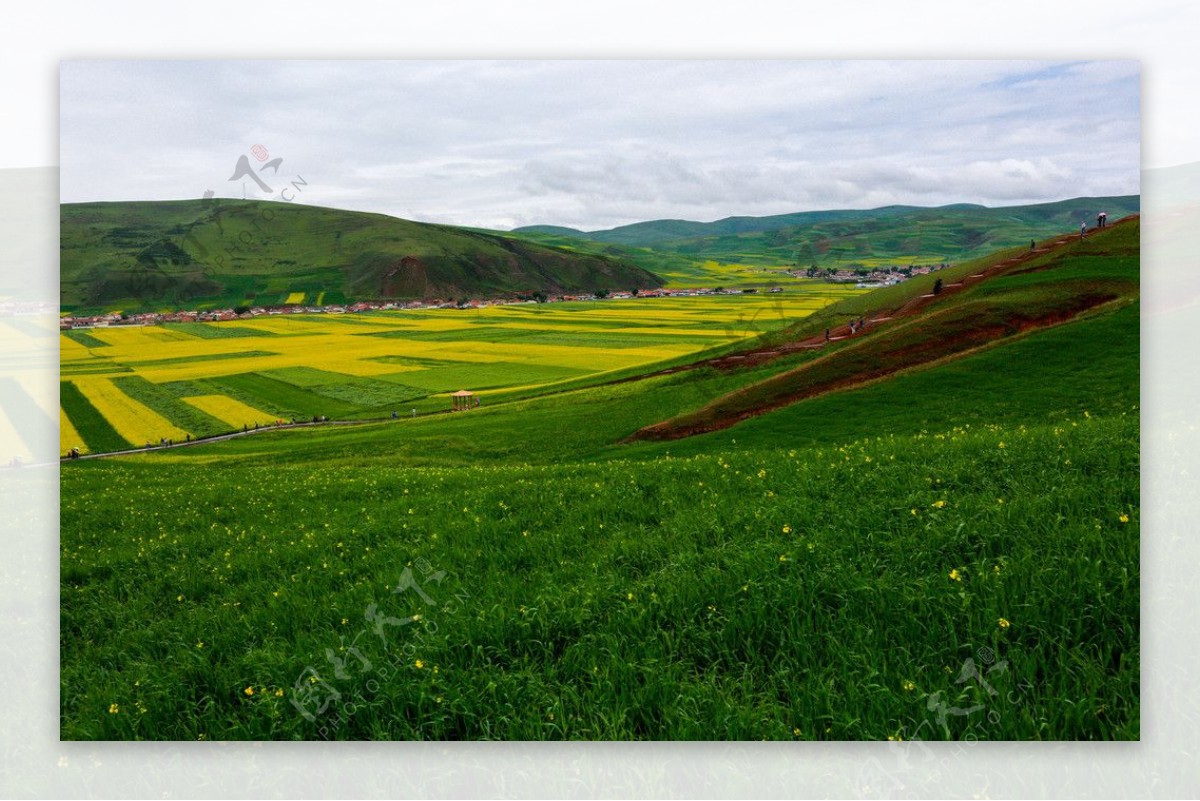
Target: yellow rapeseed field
x=68, y=437
x=426, y=339
x=133, y=421
x=228, y=410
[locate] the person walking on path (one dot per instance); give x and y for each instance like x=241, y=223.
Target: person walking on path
x=1032, y=245
x=1082, y=230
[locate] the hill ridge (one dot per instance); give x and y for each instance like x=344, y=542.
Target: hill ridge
x=214, y=253
x=741, y=223
x=960, y=336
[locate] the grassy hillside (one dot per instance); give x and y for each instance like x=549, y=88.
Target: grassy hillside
x=153, y=255
x=949, y=551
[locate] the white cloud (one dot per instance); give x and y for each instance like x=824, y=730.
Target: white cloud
x=596, y=144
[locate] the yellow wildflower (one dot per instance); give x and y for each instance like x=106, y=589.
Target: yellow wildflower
x=113, y=709
x=909, y=686
x=938, y=504
x=1004, y=623
x=420, y=664
x=955, y=575
x=1124, y=518
x=249, y=691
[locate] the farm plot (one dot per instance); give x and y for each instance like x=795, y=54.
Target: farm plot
x=137, y=384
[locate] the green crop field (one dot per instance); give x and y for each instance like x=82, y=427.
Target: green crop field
x=354, y=367
x=939, y=542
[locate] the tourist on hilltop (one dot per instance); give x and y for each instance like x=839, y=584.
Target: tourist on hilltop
x=1082, y=230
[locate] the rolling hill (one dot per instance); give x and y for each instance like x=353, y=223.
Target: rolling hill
x=847, y=238
x=206, y=253
x=973, y=307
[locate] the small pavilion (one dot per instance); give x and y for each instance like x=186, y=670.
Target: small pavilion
x=463, y=400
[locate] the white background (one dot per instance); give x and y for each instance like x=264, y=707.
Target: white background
x=1160, y=34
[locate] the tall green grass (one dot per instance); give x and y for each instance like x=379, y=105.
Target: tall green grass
x=826, y=593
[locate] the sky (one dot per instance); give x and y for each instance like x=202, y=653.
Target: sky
x=596, y=144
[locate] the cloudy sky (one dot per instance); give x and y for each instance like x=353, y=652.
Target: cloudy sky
x=593, y=144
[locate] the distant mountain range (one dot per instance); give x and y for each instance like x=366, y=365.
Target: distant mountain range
x=835, y=237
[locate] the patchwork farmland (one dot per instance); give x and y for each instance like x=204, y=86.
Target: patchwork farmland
x=127, y=387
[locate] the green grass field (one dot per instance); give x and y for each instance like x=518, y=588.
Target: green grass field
x=947, y=553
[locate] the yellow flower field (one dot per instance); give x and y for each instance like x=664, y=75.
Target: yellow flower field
x=428, y=349
x=68, y=437
x=228, y=410
x=132, y=420
x=295, y=297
